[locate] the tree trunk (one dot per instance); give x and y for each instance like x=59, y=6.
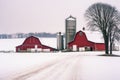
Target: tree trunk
x=110, y=43
x=110, y=47
x=106, y=48
x=106, y=45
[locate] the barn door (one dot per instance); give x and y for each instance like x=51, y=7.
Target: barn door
x=74, y=47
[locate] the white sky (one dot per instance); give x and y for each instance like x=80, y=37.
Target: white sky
x=43, y=15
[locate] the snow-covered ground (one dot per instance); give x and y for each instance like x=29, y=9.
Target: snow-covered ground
x=55, y=66
x=59, y=66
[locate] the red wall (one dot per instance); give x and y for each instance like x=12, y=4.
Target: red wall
x=99, y=46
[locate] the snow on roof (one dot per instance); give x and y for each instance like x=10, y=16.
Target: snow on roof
x=94, y=36
x=51, y=42
x=71, y=18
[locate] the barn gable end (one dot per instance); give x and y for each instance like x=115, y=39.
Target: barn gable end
x=33, y=44
x=32, y=41
x=81, y=43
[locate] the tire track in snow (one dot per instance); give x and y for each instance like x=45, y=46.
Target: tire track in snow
x=61, y=69
x=57, y=70
x=71, y=73
x=52, y=72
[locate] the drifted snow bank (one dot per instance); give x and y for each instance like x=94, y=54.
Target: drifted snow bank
x=59, y=66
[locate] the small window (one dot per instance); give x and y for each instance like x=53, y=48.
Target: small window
x=18, y=49
x=80, y=33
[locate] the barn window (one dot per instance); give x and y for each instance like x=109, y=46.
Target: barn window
x=80, y=33
x=18, y=49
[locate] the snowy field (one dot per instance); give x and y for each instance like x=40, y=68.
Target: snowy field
x=59, y=66
x=56, y=66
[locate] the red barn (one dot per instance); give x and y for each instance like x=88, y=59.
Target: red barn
x=33, y=44
x=81, y=43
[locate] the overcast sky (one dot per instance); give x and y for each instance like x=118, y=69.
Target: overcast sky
x=43, y=15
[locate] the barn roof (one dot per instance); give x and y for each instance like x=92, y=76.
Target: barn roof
x=94, y=36
x=71, y=18
x=32, y=40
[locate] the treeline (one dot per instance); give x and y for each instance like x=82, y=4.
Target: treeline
x=24, y=35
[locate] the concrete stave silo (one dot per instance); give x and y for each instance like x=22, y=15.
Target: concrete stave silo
x=60, y=41
x=70, y=30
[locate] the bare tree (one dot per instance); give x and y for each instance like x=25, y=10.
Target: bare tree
x=114, y=37
x=104, y=18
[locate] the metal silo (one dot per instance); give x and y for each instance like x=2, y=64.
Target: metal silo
x=70, y=23
x=60, y=41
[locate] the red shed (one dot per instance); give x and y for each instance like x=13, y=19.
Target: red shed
x=33, y=44
x=81, y=43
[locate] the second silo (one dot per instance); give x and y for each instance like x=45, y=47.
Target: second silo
x=60, y=41
x=70, y=23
